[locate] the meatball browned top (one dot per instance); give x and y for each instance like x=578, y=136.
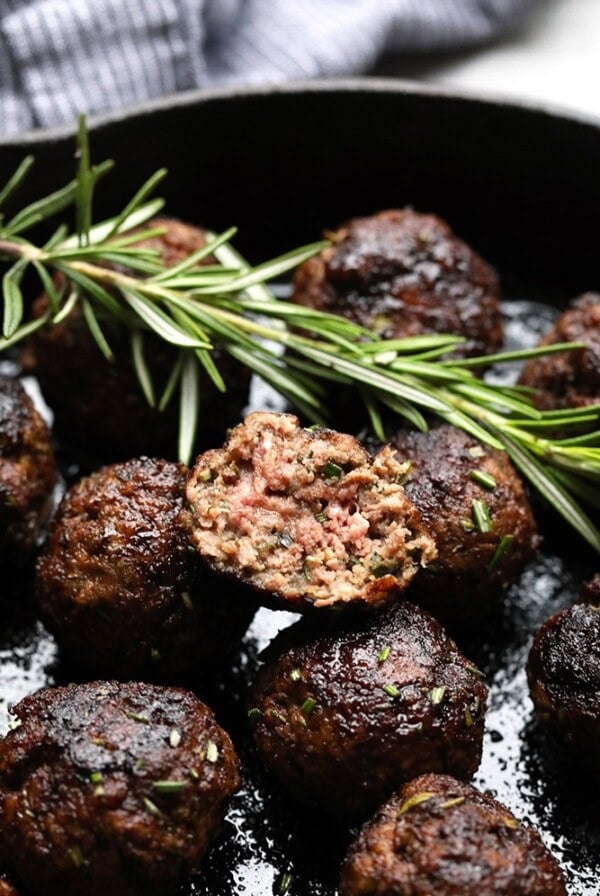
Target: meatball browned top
x=27, y=472
x=473, y=503
x=345, y=717
x=119, y=586
x=402, y=274
x=107, y=413
x=305, y=516
x=569, y=379
x=110, y=788
x=440, y=836
x=564, y=676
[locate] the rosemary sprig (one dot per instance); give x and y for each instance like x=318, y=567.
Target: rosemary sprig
x=227, y=305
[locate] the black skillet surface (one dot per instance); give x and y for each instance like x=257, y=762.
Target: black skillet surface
x=521, y=185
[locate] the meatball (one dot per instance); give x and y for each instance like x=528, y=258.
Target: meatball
x=27, y=473
x=564, y=678
x=305, y=516
x=452, y=480
x=401, y=274
x=107, y=414
x=112, y=788
x=344, y=717
x=438, y=835
x=569, y=379
x=120, y=587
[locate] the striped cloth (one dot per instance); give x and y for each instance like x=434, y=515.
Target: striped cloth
x=61, y=57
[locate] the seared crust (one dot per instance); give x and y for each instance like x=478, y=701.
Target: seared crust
x=440, y=836
x=465, y=580
x=305, y=517
x=80, y=812
x=107, y=413
x=119, y=586
x=28, y=473
x=564, y=677
x=569, y=379
x=402, y=273
x=389, y=696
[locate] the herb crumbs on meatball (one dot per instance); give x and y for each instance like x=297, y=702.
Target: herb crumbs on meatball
x=306, y=514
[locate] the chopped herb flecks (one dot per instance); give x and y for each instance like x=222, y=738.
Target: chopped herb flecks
x=331, y=470
x=484, y=479
x=383, y=654
x=481, y=517
x=391, y=690
x=504, y=546
x=413, y=801
x=308, y=706
x=296, y=674
x=169, y=786
x=436, y=695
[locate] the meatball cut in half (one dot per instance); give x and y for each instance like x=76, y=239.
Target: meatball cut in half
x=564, y=678
x=344, y=717
x=440, y=836
x=473, y=503
x=107, y=413
x=27, y=473
x=569, y=379
x=401, y=274
x=119, y=586
x=305, y=516
x=110, y=788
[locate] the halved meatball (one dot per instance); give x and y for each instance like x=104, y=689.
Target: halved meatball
x=569, y=379
x=121, y=589
x=342, y=718
x=440, y=836
x=564, y=678
x=473, y=504
x=402, y=273
x=305, y=516
x=28, y=473
x=110, y=788
x=99, y=406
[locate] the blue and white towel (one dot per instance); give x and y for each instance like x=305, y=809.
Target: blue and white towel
x=61, y=57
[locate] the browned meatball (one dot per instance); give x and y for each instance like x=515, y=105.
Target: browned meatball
x=119, y=586
x=27, y=473
x=440, y=836
x=564, y=677
x=569, y=379
x=305, y=516
x=445, y=483
x=112, y=788
x=99, y=405
x=345, y=717
x=402, y=273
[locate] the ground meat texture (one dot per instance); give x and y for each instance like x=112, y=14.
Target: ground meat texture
x=99, y=406
x=112, y=788
x=440, y=836
x=569, y=379
x=119, y=586
x=472, y=567
x=342, y=718
x=403, y=274
x=305, y=516
x=564, y=678
x=27, y=473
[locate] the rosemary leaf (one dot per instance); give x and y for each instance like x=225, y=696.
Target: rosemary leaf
x=142, y=371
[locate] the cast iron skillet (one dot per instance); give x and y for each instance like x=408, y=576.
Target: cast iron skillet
x=522, y=185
